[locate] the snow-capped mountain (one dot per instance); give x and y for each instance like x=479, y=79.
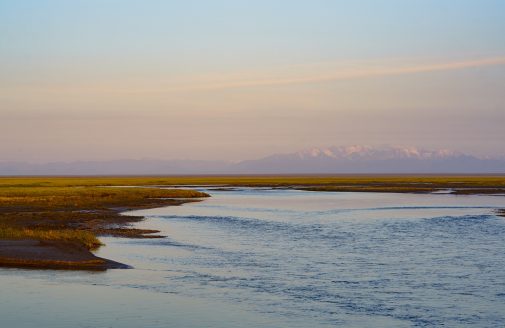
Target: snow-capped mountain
x=359, y=152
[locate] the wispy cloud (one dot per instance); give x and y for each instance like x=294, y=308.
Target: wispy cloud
x=284, y=76
x=369, y=71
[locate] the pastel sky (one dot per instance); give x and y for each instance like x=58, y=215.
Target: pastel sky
x=99, y=80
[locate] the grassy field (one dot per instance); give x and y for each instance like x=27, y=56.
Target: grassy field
x=267, y=180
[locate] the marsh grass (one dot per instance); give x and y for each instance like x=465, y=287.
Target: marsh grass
x=428, y=181
x=71, y=197
x=75, y=213
x=76, y=237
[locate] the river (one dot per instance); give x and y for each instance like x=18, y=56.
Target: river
x=260, y=257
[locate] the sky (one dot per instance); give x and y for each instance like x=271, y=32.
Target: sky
x=233, y=80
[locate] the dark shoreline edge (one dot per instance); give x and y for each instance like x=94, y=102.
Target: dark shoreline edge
x=34, y=254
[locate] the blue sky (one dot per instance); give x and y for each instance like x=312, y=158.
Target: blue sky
x=242, y=79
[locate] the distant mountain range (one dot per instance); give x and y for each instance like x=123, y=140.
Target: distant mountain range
x=345, y=159
x=367, y=159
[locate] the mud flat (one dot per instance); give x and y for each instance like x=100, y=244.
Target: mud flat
x=29, y=253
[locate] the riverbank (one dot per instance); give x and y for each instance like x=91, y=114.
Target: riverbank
x=58, y=226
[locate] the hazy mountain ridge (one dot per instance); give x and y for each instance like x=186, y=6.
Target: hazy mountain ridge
x=338, y=159
x=368, y=159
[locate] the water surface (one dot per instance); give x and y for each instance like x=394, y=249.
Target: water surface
x=285, y=258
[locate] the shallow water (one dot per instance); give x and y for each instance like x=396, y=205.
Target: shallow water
x=284, y=258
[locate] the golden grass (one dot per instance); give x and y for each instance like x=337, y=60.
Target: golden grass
x=267, y=180
x=85, y=197
x=74, y=212
x=77, y=237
